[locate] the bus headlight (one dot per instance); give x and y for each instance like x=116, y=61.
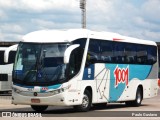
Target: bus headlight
x=16, y=90
x=57, y=91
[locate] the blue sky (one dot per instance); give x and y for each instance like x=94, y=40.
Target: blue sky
x=135, y=18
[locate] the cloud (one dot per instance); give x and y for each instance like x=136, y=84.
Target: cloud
x=12, y=37
x=131, y=18
x=142, y=23
x=1, y=36
x=2, y=15
x=43, y=24
x=153, y=35
x=40, y=5
x=23, y=16
x=13, y=28
x=151, y=10
x=112, y=14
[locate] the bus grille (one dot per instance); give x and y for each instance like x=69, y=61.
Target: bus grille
x=3, y=77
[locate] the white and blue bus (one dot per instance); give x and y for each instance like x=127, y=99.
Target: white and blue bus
x=80, y=68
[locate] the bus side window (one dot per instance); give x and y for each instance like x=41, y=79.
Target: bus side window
x=11, y=59
x=2, y=58
x=141, y=54
x=130, y=53
x=152, y=54
x=119, y=54
x=106, y=51
x=93, y=52
x=12, y=55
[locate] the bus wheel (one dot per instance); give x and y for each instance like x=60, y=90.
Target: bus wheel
x=138, y=100
x=86, y=102
x=39, y=108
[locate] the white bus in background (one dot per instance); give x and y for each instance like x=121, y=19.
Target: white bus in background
x=6, y=70
x=80, y=67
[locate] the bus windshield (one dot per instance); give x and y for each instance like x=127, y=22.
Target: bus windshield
x=40, y=64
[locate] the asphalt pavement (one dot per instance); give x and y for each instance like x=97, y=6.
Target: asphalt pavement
x=150, y=109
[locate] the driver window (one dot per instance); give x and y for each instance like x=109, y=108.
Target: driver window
x=93, y=54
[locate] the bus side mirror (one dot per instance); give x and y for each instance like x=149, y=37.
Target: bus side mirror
x=68, y=51
x=6, y=53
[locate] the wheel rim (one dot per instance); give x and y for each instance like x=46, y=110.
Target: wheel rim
x=139, y=97
x=85, y=101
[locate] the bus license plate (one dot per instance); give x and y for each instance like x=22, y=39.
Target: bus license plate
x=35, y=100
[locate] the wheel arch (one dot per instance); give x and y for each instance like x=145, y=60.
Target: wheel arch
x=89, y=89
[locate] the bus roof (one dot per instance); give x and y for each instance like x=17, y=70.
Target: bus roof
x=59, y=36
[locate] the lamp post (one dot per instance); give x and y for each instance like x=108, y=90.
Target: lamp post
x=83, y=9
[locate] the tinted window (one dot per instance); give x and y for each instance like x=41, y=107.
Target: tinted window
x=130, y=53
x=1, y=57
x=142, y=54
x=119, y=54
x=106, y=51
x=102, y=51
x=12, y=55
x=152, y=54
x=94, y=51
x=11, y=59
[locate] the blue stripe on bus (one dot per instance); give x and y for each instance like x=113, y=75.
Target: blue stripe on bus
x=141, y=72
x=54, y=86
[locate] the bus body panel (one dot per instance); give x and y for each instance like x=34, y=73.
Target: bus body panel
x=6, y=77
x=107, y=90
x=6, y=70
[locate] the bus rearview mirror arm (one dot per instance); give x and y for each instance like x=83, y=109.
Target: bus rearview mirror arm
x=6, y=53
x=68, y=51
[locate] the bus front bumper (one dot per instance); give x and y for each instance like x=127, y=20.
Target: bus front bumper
x=40, y=99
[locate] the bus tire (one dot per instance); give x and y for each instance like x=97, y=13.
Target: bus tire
x=39, y=108
x=137, y=102
x=86, y=102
